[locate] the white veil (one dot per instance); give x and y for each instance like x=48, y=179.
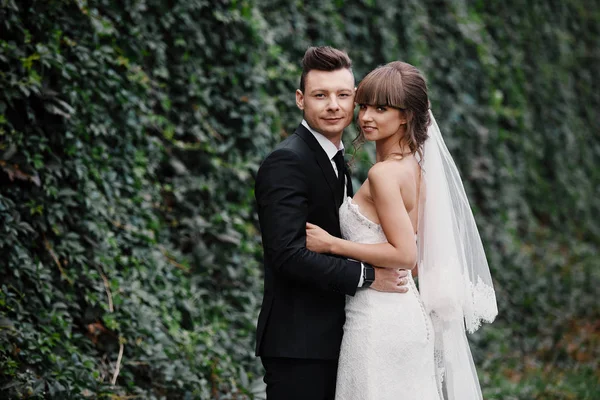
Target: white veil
x=454, y=278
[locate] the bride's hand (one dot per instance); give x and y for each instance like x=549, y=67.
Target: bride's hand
x=317, y=239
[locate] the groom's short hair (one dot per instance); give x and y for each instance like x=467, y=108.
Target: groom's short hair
x=323, y=58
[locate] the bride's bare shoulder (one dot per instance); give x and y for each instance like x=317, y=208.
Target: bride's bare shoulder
x=389, y=171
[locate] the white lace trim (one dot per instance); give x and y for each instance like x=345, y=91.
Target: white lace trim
x=483, y=307
x=355, y=207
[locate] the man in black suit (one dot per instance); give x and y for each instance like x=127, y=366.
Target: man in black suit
x=305, y=180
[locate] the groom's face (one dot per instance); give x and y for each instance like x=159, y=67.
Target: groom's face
x=328, y=101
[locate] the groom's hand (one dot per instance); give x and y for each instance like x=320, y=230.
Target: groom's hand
x=390, y=280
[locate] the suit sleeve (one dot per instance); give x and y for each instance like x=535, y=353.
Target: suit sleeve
x=282, y=194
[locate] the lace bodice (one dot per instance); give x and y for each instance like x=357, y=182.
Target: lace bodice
x=387, y=348
x=358, y=228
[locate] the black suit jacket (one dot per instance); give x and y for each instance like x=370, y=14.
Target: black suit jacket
x=302, y=313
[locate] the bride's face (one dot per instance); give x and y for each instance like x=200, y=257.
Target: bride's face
x=381, y=122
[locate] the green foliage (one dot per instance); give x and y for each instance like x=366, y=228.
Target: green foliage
x=126, y=201
x=130, y=133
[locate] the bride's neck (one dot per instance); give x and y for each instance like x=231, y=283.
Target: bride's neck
x=389, y=149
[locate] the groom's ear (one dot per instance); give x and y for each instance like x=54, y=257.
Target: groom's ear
x=300, y=99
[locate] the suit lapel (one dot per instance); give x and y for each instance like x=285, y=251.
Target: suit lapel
x=323, y=161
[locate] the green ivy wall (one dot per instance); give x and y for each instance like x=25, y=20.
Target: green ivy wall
x=130, y=132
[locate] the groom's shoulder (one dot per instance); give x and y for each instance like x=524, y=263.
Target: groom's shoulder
x=292, y=145
x=289, y=158
x=290, y=149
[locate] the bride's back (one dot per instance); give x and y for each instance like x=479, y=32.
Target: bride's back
x=402, y=174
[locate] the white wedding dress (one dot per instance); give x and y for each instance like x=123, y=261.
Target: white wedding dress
x=387, y=350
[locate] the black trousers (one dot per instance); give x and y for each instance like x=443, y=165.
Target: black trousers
x=299, y=379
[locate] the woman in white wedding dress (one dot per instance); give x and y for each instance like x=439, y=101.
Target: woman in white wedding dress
x=409, y=346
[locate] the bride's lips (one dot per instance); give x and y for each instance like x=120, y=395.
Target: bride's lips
x=369, y=129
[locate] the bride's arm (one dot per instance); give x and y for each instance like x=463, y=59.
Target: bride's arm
x=401, y=249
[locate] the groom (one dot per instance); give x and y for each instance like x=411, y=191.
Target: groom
x=305, y=180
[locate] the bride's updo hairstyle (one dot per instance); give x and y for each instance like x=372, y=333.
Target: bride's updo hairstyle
x=402, y=86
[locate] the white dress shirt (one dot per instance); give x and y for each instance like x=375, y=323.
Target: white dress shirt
x=328, y=146
x=331, y=151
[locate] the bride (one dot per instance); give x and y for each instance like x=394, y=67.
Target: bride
x=411, y=213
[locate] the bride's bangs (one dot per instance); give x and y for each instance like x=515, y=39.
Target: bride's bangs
x=381, y=87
